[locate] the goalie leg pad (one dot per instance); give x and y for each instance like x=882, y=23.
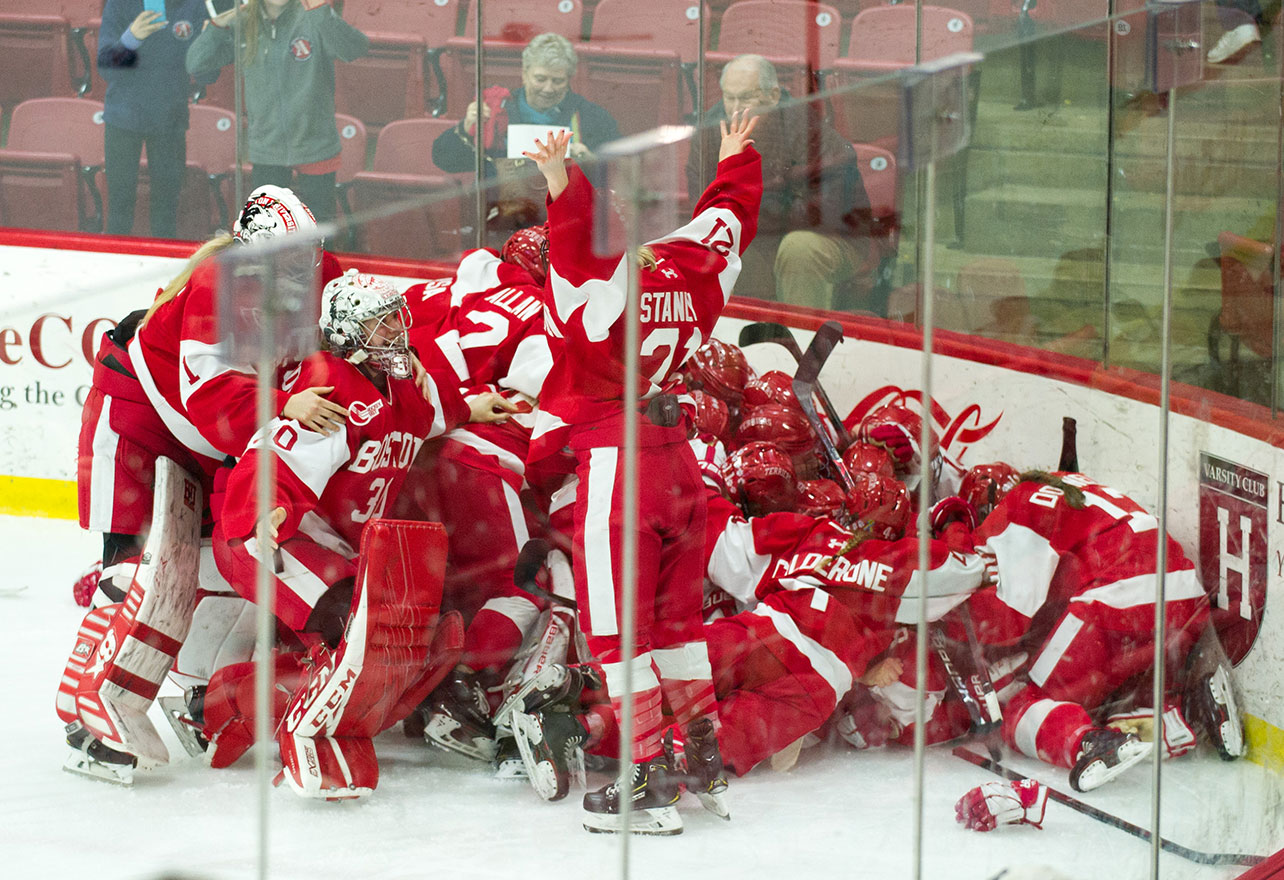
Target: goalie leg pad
x=328, y=768
x=356, y=689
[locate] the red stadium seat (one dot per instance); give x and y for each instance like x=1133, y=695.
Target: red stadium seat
x=507, y=26
x=85, y=17
x=634, y=61
x=33, y=57
x=48, y=165
x=402, y=171
x=799, y=37
x=352, y=157
x=406, y=37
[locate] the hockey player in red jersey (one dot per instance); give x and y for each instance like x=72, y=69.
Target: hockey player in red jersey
x=686, y=279
x=1074, y=566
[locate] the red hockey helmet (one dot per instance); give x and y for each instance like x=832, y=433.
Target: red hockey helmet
x=719, y=369
x=772, y=386
x=819, y=498
x=760, y=477
x=528, y=249
x=985, y=485
x=868, y=457
x=782, y=425
x=711, y=416
x=880, y=504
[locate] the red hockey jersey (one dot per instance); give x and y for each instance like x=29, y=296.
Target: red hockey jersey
x=332, y=484
x=207, y=402
x=680, y=299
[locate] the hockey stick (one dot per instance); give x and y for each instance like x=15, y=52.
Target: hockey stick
x=1113, y=821
x=981, y=685
x=822, y=344
x=530, y=559
x=983, y=725
x=769, y=331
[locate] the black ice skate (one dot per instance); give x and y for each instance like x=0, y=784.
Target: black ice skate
x=705, y=776
x=508, y=759
x=556, y=685
x=1103, y=754
x=1210, y=705
x=654, y=795
x=459, y=720
x=551, y=745
x=186, y=714
x=91, y=758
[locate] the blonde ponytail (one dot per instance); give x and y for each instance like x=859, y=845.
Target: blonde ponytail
x=216, y=244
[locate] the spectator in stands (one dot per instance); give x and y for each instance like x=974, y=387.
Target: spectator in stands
x=813, y=229
x=288, y=49
x=545, y=98
x=1240, y=20
x=140, y=55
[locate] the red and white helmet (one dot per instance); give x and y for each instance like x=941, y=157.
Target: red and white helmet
x=879, y=504
x=348, y=304
x=819, y=498
x=868, y=457
x=760, y=477
x=711, y=416
x=772, y=386
x=719, y=369
x=985, y=485
x=269, y=212
x=782, y=425
x=899, y=430
x=528, y=249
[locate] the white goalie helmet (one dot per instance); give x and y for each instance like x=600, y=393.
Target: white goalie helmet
x=365, y=319
x=269, y=212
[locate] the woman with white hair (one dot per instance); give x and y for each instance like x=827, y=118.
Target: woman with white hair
x=545, y=98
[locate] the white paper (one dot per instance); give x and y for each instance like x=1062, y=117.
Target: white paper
x=521, y=137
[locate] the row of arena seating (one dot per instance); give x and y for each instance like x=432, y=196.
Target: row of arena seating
x=422, y=51
x=51, y=177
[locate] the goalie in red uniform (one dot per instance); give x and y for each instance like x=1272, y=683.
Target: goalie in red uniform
x=686, y=279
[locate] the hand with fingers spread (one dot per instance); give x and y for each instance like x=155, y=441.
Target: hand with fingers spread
x=550, y=159
x=735, y=133
x=311, y=410
x=146, y=23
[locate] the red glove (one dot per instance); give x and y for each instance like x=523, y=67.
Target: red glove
x=895, y=439
x=992, y=804
x=83, y=590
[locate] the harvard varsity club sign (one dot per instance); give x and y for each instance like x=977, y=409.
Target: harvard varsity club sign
x=1232, y=549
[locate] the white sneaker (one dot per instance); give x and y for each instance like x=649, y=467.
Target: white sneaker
x=1233, y=42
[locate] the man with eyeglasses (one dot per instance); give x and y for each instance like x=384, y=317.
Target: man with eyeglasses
x=813, y=229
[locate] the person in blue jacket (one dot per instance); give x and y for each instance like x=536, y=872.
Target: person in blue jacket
x=141, y=57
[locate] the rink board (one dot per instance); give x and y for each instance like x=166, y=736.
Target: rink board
x=995, y=401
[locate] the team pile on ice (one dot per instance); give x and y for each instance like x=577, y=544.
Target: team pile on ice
x=447, y=541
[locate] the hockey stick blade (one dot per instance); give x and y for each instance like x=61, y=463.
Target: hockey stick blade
x=822, y=344
x=530, y=559
x=1192, y=855
x=770, y=331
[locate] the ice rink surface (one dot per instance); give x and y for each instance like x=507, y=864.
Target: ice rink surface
x=837, y=814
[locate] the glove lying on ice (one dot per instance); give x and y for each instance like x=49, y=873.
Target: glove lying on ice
x=992, y=804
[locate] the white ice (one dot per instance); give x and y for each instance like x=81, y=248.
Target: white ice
x=838, y=813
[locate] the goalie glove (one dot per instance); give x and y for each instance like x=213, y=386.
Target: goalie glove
x=992, y=804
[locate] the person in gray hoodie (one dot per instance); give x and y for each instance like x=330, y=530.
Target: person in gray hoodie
x=288, y=49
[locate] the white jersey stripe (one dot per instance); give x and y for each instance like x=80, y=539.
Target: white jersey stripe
x=1055, y=648
x=295, y=575
x=689, y=662
x=1027, y=728
x=597, y=541
x=102, y=472
x=823, y=660
x=1140, y=590
x=182, y=429
x=511, y=462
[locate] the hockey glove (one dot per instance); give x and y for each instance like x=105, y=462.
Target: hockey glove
x=992, y=804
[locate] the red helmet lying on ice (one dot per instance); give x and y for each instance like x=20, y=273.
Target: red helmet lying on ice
x=528, y=249
x=719, y=369
x=819, y=498
x=879, y=504
x=760, y=477
x=985, y=485
x=785, y=426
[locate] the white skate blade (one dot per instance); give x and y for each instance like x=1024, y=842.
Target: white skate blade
x=542, y=774
x=82, y=765
x=512, y=768
x=1098, y=774
x=715, y=802
x=189, y=737
x=657, y=821
x=549, y=676
x=1230, y=736
x=440, y=732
